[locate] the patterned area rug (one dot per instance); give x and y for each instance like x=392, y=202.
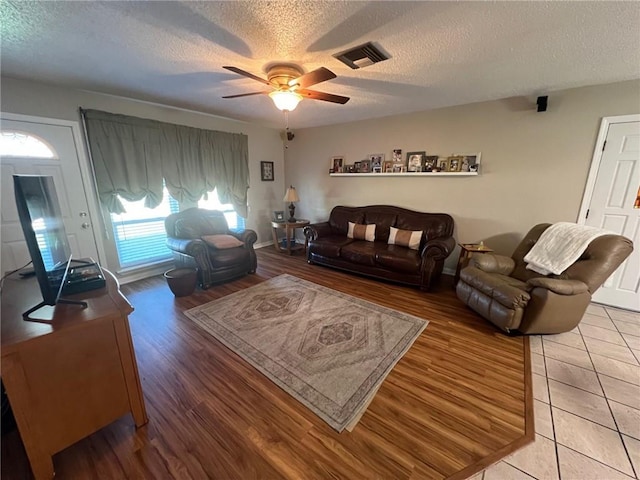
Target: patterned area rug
x=329, y=350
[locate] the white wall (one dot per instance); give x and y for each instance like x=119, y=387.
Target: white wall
x=534, y=165
x=265, y=144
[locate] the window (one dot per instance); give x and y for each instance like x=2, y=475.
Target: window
x=139, y=233
x=18, y=144
x=235, y=221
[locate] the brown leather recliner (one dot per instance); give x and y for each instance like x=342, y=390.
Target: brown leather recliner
x=185, y=232
x=515, y=299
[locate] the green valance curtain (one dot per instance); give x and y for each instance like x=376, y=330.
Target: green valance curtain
x=131, y=157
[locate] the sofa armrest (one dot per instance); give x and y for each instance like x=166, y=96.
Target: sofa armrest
x=559, y=286
x=248, y=237
x=317, y=230
x=439, y=248
x=494, y=263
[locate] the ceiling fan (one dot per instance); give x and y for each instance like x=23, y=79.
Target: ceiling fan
x=289, y=85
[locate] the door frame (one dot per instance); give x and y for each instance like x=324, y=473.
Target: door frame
x=597, y=159
x=86, y=173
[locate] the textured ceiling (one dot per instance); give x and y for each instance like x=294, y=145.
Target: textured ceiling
x=442, y=53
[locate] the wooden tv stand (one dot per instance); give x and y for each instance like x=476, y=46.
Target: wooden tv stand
x=72, y=376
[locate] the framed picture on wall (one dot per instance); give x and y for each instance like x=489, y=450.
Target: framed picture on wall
x=266, y=171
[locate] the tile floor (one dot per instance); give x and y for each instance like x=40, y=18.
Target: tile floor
x=586, y=386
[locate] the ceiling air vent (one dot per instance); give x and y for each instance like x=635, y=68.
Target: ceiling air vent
x=362, y=56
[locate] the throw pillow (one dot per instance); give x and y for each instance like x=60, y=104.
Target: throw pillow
x=222, y=241
x=405, y=238
x=358, y=231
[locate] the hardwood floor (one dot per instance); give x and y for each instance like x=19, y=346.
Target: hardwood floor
x=459, y=400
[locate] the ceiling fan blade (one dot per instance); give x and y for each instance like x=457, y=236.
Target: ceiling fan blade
x=246, y=94
x=247, y=74
x=327, y=97
x=319, y=75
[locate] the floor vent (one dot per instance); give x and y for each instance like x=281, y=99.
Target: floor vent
x=362, y=56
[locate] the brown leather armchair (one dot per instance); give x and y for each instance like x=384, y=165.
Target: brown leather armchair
x=185, y=232
x=515, y=299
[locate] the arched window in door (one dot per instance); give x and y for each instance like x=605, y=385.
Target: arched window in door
x=19, y=144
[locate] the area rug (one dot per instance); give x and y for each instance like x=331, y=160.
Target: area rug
x=327, y=349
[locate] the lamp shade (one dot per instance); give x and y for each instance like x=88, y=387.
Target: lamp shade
x=285, y=100
x=291, y=195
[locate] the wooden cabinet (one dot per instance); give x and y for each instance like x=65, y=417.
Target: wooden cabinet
x=71, y=376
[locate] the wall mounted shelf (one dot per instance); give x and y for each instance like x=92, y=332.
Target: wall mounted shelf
x=407, y=174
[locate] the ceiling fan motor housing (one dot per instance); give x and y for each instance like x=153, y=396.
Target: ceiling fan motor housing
x=279, y=76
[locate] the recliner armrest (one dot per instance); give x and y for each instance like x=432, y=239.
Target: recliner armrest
x=559, y=286
x=317, y=230
x=188, y=246
x=440, y=247
x=248, y=237
x=493, y=263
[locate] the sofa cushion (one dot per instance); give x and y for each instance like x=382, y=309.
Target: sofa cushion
x=405, y=238
x=399, y=258
x=361, y=252
x=222, y=241
x=340, y=218
x=359, y=231
x=433, y=225
x=197, y=226
x=329, y=246
x=229, y=257
x=188, y=228
x=383, y=221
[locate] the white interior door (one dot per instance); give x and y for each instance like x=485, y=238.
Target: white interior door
x=612, y=208
x=63, y=165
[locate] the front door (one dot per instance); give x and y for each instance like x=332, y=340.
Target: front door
x=43, y=149
x=612, y=208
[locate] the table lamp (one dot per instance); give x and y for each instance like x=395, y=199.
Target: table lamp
x=291, y=196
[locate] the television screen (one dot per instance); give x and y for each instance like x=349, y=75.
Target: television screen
x=44, y=232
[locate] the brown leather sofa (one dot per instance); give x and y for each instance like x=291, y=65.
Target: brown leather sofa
x=515, y=299
x=328, y=244
x=185, y=232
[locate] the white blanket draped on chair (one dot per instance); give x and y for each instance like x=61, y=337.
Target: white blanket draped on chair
x=560, y=246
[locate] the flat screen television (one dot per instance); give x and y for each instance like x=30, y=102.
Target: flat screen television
x=47, y=241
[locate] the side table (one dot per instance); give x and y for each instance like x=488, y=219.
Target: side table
x=466, y=251
x=289, y=228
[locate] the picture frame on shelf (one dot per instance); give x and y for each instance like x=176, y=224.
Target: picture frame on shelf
x=349, y=169
x=376, y=160
x=278, y=215
x=387, y=166
x=414, y=161
x=443, y=164
x=454, y=163
x=266, y=172
x=365, y=166
x=337, y=164
x=397, y=155
x=472, y=160
x=356, y=167
x=430, y=162
x=399, y=167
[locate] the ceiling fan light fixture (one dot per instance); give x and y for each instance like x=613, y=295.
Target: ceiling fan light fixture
x=285, y=100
